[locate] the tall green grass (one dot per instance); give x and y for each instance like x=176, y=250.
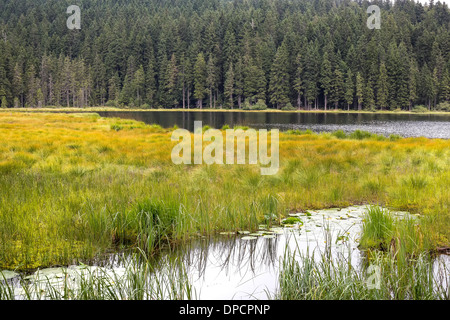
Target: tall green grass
x=307, y=277
x=137, y=280
x=73, y=188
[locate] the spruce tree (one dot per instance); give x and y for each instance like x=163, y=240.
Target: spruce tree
x=359, y=90
x=229, y=87
x=382, y=87
x=369, y=100
x=200, y=80
x=170, y=81
x=139, y=85
x=337, y=87
x=349, y=88
x=279, y=78
x=211, y=79
x=326, y=78
x=445, y=86
x=412, y=83
x=298, y=80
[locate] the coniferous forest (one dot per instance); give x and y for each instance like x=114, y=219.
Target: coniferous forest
x=247, y=54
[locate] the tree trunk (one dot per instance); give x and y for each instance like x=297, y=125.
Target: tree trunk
x=189, y=98
x=210, y=98
x=184, y=97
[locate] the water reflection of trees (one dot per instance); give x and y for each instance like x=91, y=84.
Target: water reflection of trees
x=229, y=254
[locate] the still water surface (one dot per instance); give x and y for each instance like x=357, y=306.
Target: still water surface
x=406, y=125
x=232, y=268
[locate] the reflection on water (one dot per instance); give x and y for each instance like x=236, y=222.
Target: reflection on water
x=407, y=125
x=229, y=267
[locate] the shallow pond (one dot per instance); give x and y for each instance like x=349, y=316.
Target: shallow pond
x=243, y=265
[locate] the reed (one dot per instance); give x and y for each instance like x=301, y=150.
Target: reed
x=305, y=276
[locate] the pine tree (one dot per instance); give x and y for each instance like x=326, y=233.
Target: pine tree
x=18, y=84
x=427, y=85
x=369, y=100
x=337, y=87
x=403, y=77
x=445, y=86
x=311, y=73
x=139, y=85
x=326, y=78
x=114, y=89
x=4, y=102
x=229, y=86
x=349, y=88
x=359, y=90
x=279, y=78
x=435, y=86
x=229, y=48
x=412, y=83
x=239, y=82
x=211, y=79
x=298, y=80
x=254, y=82
x=170, y=82
x=150, y=83
x=200, y=80
x=4, y=82
x=382, y=87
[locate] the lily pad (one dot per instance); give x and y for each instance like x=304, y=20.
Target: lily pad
x=48, y=273
x=277, y=230
x=256, y=234
x=7, y=275
x=244, y=232
x=227, y=233
x=249, y=238
x=295, y=214
x=269, y=236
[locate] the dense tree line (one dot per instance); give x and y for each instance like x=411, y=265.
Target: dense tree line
x=225, y=53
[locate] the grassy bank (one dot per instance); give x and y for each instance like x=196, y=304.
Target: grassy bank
x=75, y=186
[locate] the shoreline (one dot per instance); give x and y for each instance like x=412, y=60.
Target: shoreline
x=112, y=109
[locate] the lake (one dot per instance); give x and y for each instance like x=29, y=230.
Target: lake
x=406, y=125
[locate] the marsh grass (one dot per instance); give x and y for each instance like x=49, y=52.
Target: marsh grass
x=136, y=280
x=304, y=276
x=404, y=238
x=72, y=187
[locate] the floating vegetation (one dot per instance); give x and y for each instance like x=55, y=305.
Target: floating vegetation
x=292, y=221
x=227, y=233
x=249, y=238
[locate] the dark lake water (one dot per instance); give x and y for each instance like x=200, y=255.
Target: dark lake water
x=406, y=125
